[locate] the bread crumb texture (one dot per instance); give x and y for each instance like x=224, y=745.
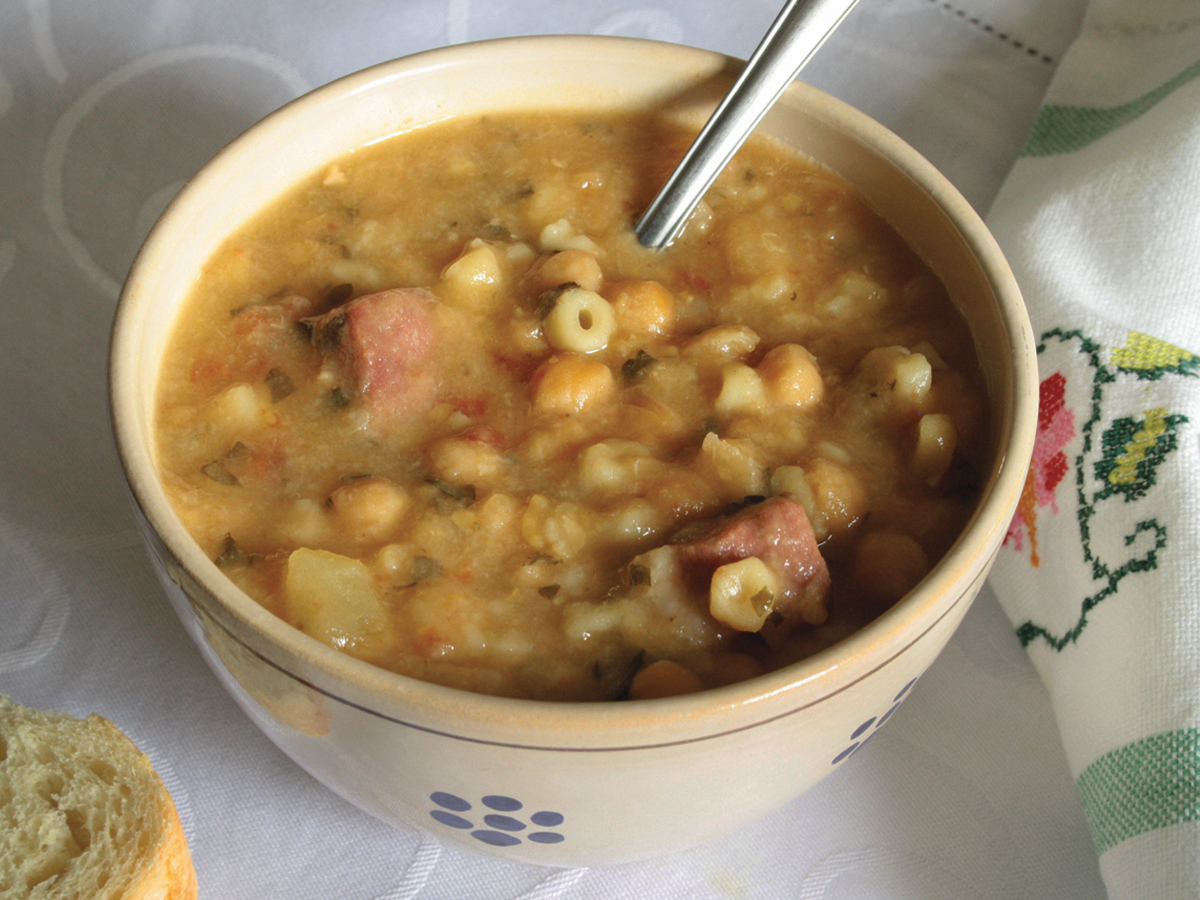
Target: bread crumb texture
x=83, y=815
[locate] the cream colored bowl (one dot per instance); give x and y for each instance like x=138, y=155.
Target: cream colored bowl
x=564, y=784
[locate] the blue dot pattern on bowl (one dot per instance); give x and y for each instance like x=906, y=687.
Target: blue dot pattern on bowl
x=860, y=734
x=500, y=829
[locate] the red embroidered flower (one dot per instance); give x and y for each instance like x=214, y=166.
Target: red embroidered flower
x=1055, y=429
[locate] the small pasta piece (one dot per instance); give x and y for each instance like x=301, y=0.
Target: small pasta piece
x=643, y=307
x=367, y=509
x=562, y=235
x=394, y=560
x=723, y=342
x=664, y=678
x=743, y=594
x=914, y=375
x=472, y=279
x=936, y=440
x=304, y=522
x=614, y=466
x=742, y=390
x=732, y=466
x=569, y=384
x=580, y=321
x=361, y=274
x=791, y=376
x=888, y=564
x=569, y=267
x=239, y=410
x=584, y=621
x=634, y=521
x=893, y=380
x=464, y=461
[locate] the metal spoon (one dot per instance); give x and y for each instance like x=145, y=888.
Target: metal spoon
x=799, y=29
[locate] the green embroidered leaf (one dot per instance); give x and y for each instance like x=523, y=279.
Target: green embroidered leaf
x=1131, y=452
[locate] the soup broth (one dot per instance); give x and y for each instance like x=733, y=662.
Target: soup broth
x=438, y=408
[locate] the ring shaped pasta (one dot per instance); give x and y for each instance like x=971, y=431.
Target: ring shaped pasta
x=581, y=321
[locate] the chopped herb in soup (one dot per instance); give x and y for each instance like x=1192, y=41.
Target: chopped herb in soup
x=438, y=408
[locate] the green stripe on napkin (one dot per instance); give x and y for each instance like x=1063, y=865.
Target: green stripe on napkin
x=1145, y=785
x=1064, y=129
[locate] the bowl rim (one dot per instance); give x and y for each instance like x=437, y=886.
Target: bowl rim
x=891, y=633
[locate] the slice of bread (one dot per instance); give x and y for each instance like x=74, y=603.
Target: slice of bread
x=83, y=815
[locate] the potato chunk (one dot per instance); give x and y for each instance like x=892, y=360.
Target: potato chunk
x=333, y=599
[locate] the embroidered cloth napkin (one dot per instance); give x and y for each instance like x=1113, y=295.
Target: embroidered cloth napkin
x=107, y=108
x=1100, y=218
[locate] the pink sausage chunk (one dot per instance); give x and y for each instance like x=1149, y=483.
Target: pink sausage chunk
x=384, y=341
x=778, y=532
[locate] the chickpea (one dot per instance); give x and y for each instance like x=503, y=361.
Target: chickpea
x=664, y=678
x=839, y=497
x=791, y=377
x=643, y=307
x=936, y=440
x=888, y=564
x=569, y=383
x=567, y=267
x=367, y=509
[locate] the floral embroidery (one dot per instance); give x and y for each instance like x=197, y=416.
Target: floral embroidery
x=1055, y=429
x=1122, y=457
x=1152, y=358
x=1132, y=452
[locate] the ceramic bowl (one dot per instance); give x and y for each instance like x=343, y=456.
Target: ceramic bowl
x=555, y=783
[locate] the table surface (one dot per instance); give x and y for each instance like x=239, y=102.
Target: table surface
x=106, y=109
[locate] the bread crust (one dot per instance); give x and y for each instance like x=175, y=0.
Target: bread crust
x=92, y=819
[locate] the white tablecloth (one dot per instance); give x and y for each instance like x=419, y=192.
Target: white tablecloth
x=106, y=108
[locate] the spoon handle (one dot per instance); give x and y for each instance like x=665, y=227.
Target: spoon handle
x=799, y=29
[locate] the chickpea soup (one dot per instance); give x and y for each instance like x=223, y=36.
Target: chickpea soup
x=440, y=410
